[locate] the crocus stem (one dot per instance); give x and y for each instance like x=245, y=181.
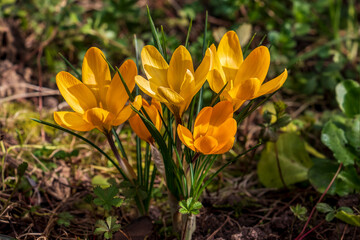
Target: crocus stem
x=124, y=164
x=320, y=199
x=278, y=165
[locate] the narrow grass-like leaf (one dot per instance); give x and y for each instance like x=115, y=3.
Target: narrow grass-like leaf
x=85, y=140
x=154, y=32
x=213, y=101
x=188, y=34
x=248, y=45
x=163, y=42
x=200, y=103
x=168, y=163
x=79, y=77
x=262, y=40
x=121, y=147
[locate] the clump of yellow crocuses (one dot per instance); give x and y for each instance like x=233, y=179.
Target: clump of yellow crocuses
x=97, y=101
x=244, y=78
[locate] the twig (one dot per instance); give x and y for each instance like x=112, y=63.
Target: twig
x=30, y=95
x=217, y=230
x=299, y=237
x=311, y=230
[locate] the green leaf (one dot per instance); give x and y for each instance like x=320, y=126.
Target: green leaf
x=330, y=216
x=293, y=158
x=346, y=209
x=324, y=208
x=322, y=172
x=65, y=218
x=334, y=138
x=349, y=218
x=107, y=197
x=197, y=205
x=352, y=132
x=348, y=97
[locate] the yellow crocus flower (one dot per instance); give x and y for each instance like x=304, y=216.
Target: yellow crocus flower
x=244, y=78
x=214, y=130
x=153, y=111
x=97, y=101
x=174, y=84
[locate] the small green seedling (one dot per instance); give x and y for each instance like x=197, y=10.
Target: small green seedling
x=65, y=219
x=107, y=228
x=106, y=197
x=190, y=207
x=330, y=211
x=299, y=212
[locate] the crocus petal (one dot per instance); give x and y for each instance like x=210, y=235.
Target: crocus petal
x=76, y=94
x=202, y=71
x=216, y=77
x=100, y=118
x=221, y=112
x=247, y=89
x=223, y=132
x=144, y=85
x=72, y=120
x=180, y=63
x=138, y=126
x=170, y=95
x=96, y=73
x=206, y=144
x=186, y=137
x=224, y=147
x=202, y=122
x=229, y=51
x=256, y=65
x=188, y=88
x=117, y=96
x=127, y=111
x=272, y=85
x=155, y=66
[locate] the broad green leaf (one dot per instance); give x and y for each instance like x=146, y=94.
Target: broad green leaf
x=352, y=132
x=330, y=216
x=334, y=138
x=322, y=172
x=324, y=208
x=349, y=218
x=293, y=157
x=100, y=180
x=107, y=197
x=348, y=97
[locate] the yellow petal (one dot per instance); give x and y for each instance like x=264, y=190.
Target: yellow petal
x=247, y=89
x=76, y=94
x=155, y=66
x=216, y=77
x=203, y=70
x=221, y=112
x=206, y=144
x=225, y=147
x=187, y=89
x=180, y=63
x=100, y=118
x=117, y=96
x=138, y=126
x=256, y=65
x=185, y=137
x=170, y=95
x=127, y=111
x=229, y=51
x=237, y=103
x=72, y=120
x=144, y=85
x=96, y=73
x=224, y=132
x=202, y=122
x=272, y=85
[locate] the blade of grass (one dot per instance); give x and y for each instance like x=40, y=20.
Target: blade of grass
x=85, y=140
x=200, y=103
x=188, y=34
x=79, y=77
x=122, y=150
x=163, y=42
x=154, y=32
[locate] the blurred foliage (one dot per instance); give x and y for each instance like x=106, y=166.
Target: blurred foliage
x=297, y=31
